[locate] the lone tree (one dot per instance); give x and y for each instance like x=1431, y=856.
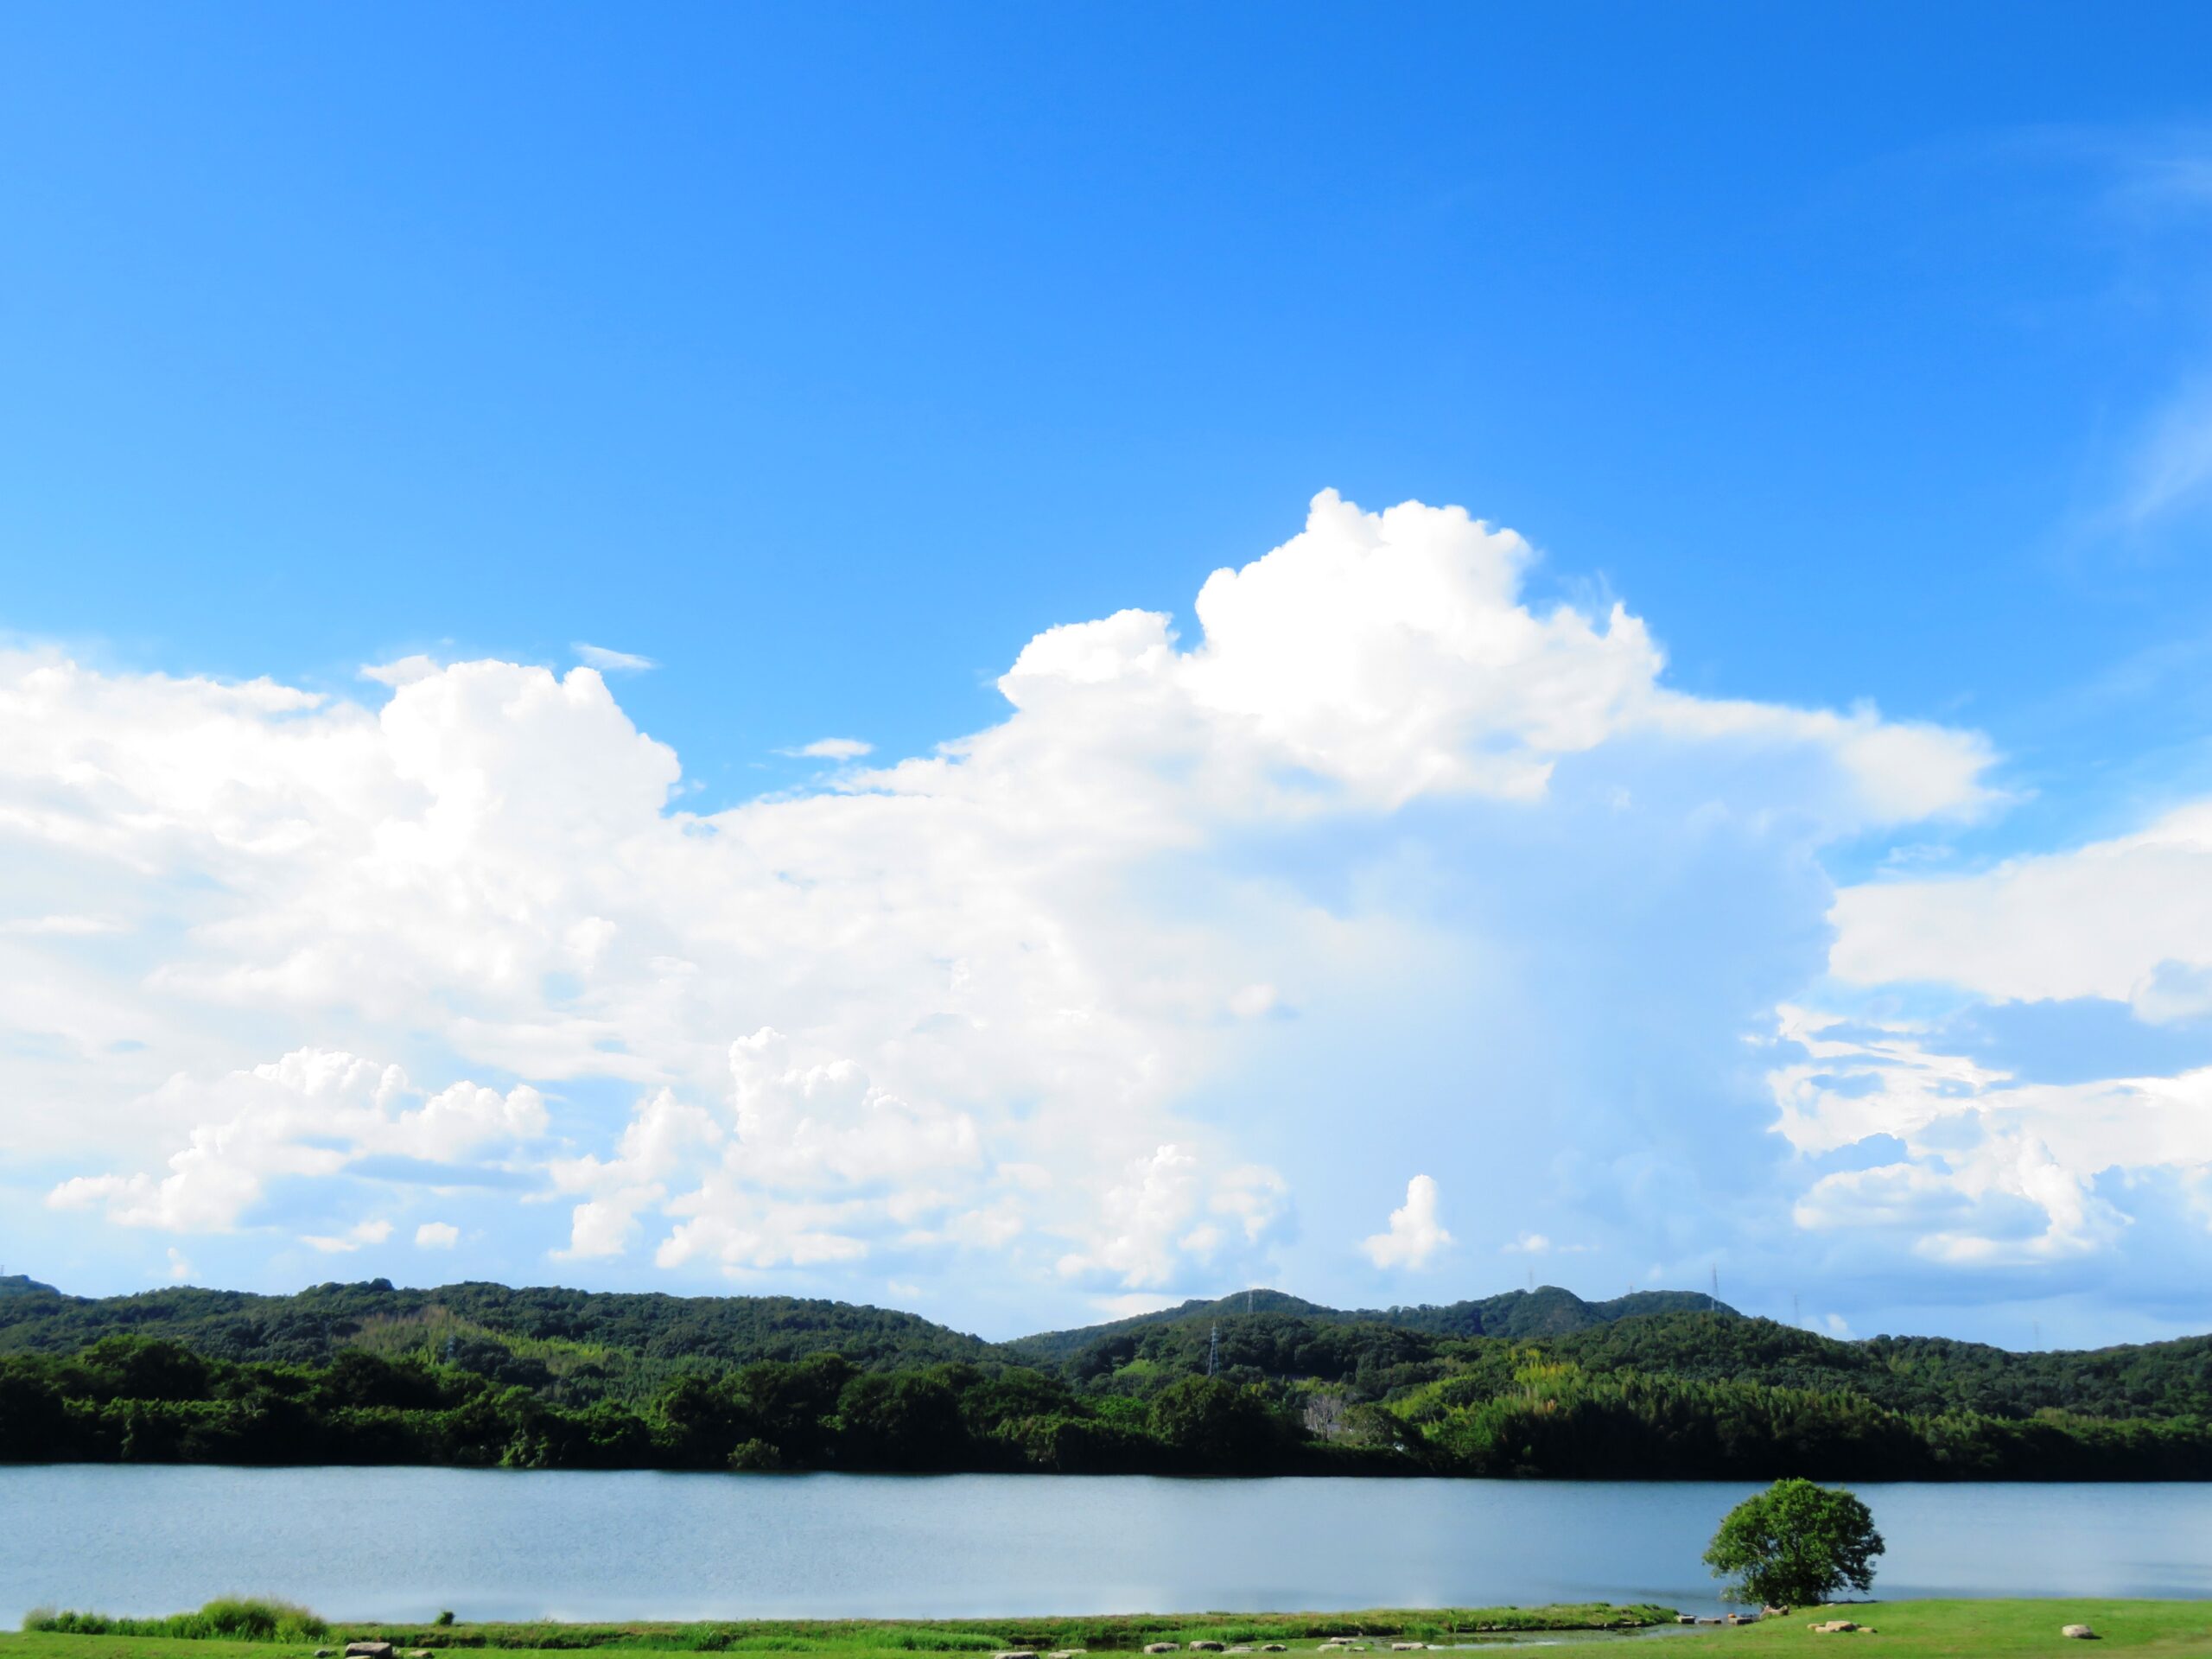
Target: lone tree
x=1794, y=1545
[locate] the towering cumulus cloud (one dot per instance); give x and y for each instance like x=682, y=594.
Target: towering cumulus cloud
x=1162, y=983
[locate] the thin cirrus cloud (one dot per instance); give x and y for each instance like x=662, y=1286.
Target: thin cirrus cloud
x=1157, y=985
x=611, y=662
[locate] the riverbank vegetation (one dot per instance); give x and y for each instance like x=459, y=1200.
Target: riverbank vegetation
x=236, y=1618
x=1104, y=1633
x=484, y=1376
x=1905, y=1629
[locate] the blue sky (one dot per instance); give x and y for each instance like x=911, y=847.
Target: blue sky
x=824, y=358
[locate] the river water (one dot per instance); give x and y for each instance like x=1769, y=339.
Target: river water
x=402, y=1544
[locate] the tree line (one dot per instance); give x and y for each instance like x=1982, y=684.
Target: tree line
x=1567, y=1407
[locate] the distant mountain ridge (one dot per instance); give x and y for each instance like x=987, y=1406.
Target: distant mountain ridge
x=1546, y=1311
x=650, y=1333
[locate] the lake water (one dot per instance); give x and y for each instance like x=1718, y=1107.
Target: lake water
x=402, y=1544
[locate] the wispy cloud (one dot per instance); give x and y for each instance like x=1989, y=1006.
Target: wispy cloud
x=369, y=1232
x=60, y=926
x=2171, y=470
x=611, y=662
x=830, y=748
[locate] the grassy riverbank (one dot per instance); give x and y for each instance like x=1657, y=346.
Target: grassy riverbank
x=1919, y=1630
x=191, y=1636
x=1971, y=1630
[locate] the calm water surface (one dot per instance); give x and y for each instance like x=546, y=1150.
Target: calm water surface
x=403, y=1542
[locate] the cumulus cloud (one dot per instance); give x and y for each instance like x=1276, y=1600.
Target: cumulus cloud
x=179, y=1270
x=1009, y=1004
x=1166, y=1207
x=314, y=1113
x=1414, y=1233
x=436, y=1235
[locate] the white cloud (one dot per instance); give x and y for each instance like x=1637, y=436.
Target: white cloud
x=1170, y=1209
x=366, y=1232
x=1996, y=1170
x=312, y=1114
x=1528, y=1244
x=1129, y=1303
x=404, y=670
x=1414, y=1233
x=611, y=661
x=436, y=1235
x=1252, y=1001
x=2129, y=919
x=59, y=927
x=830, y=748
x=955, y=1008
x=179, y=1270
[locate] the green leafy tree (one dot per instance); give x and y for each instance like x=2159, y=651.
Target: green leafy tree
x=1795, y=1544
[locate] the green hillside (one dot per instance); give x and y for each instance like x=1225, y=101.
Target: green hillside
x=569, y=1343
x=1548, y=1310
x=1528, y=1383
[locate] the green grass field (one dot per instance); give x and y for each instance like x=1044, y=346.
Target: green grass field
x=1944, y=1627
x=186, y=1635
x=1937, y=1630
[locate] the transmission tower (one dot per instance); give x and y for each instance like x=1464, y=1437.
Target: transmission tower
x=1213, y=1350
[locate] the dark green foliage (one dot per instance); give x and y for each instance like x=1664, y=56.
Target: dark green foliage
x=1220, y=1426
x=1795, y=1545
x=1548, y=1310
x=818, y=1413
x=480, y=1375
x=573, y=1343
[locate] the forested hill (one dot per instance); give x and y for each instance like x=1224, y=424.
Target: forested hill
x=522, y=1335
x=630, y=1337
x=1535, y=1384
x=1546, y=1312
